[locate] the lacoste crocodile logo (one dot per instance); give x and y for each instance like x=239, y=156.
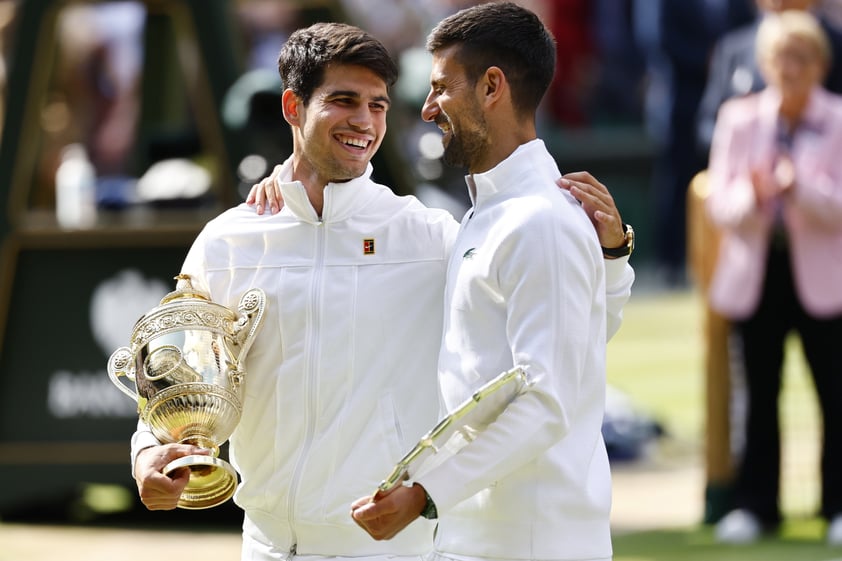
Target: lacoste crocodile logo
x=470, y=253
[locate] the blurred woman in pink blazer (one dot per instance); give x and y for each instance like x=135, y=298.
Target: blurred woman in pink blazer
x=776, y=192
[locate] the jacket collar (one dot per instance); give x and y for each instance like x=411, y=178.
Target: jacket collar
x=484, y=186
x=341, y=199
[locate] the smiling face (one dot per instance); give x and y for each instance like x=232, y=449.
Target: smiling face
x=338, y=132
x=454, y=106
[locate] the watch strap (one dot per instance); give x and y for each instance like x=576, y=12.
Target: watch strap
x=430, y=511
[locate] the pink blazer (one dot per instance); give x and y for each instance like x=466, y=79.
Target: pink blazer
x=745, y=137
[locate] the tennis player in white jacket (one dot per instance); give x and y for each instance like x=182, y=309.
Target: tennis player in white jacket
x=525, y=286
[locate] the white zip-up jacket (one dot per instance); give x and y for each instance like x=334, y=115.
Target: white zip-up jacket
x=526, y=286
x=340, y=381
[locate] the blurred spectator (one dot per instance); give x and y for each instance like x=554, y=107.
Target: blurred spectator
x=776, y=192
x=734, y=70
x=569, y=21
x=102, y=49
x=620, y=69
x=676, y=38
x=266, y=24
x=399, y=25
x=93, y=98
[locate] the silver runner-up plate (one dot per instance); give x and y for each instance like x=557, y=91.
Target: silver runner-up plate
x=458, y=428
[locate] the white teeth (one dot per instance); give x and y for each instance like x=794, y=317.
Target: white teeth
x=358, y=142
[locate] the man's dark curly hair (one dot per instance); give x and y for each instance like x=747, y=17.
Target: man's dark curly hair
x=309, y=51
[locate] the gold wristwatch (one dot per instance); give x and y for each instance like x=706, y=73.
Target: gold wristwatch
x=626, y=249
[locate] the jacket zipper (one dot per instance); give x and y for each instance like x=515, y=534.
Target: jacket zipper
x=310, y=375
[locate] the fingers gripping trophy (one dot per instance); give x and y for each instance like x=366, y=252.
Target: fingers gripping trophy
x=185, y=363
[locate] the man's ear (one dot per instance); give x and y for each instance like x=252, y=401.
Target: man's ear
x=292, y=105
x=493, y=84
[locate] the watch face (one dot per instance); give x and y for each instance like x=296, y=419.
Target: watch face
x=629, y=238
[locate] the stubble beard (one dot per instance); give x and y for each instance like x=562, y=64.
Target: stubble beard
x=466, y=148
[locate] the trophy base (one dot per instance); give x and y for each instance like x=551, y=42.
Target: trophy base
x=212, y=481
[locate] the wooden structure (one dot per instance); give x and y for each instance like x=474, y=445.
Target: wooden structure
x=703, y=244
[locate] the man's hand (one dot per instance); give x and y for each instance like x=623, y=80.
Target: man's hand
x=599, y=206
x=267, y=192
x=384, y=516
x=158, y=491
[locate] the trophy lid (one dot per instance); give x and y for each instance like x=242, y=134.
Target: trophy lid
x=184, y=289
x=185, y=308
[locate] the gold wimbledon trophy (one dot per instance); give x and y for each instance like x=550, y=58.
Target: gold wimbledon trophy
x=186, y=362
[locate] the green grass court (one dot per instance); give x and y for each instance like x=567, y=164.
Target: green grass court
x=801, y=540
x=656, y=359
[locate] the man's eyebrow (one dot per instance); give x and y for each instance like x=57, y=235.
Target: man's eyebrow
x=343, y=93
x=356, y=95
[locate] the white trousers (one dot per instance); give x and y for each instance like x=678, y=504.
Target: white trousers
x=255, y=551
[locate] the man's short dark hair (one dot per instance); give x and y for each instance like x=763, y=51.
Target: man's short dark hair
x=309, y=51
x=505, y=35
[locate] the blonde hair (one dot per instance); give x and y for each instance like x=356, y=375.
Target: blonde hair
x=778, y=27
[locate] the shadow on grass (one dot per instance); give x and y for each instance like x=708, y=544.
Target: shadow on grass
x=798, y=540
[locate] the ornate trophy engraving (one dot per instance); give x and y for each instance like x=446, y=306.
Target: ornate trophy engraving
x=185, y=360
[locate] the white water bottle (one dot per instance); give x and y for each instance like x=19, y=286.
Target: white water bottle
x=75, y=189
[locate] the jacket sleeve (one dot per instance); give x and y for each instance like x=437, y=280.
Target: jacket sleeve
x=619, y=277
x=141, y=439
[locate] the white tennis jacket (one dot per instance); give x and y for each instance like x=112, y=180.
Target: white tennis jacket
x=526, y=286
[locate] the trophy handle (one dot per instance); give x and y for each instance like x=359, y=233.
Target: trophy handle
x=251, y=308
x=119, y=365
